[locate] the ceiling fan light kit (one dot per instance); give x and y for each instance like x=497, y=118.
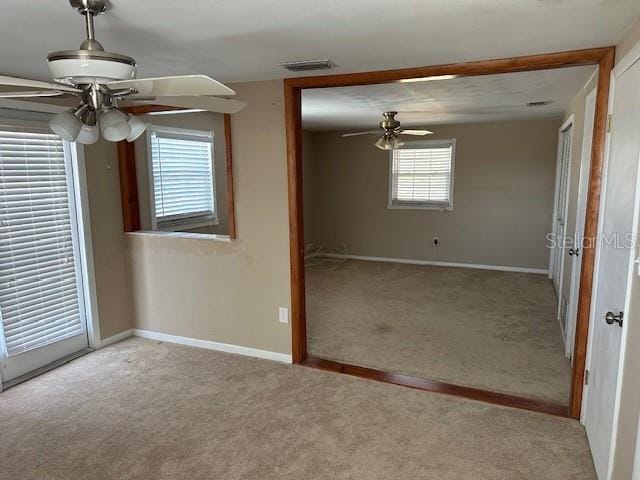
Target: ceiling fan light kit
x=136, y=126
x=101, y=79
x=389, y=142
x=114, y=125
x=66, y=125
x=391, y=131
x=88, y=135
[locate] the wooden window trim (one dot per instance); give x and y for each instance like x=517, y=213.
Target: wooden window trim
x=128, y=176
x=602, y=57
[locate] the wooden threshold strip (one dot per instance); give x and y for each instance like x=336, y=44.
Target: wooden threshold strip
x=439, y=387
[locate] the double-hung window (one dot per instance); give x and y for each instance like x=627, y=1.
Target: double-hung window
x=183, y=178
x=421, y=175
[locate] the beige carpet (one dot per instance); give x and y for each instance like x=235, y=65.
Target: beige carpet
x=479, y=328
x=143, y=410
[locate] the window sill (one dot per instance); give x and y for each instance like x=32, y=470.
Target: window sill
x=195, y=236
x=186, y=225
x=436, y=208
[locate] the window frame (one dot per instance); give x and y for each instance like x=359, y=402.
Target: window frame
x=181, y=222
x=393, y=204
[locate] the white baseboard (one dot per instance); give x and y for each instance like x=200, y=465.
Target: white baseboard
x=437, y=263
x=105, y=342
x=220, y=347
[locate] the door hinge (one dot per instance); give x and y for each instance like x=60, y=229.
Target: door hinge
x=609, y=120
x=586, y=377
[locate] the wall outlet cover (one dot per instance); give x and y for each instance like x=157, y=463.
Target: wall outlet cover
x=283, y=315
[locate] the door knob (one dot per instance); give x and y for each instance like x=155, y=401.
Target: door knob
x=612, y=318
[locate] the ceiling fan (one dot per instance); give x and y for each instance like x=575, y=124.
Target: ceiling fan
x=102, y=79
x=391, y=130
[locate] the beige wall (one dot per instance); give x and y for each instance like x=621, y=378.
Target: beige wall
x=228, y=291
x=109, y=245
x=628, y=41
x=503, y=199
x=206, y=121
x=307, y=200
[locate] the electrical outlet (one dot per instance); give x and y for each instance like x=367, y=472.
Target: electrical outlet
x=436, y=241
x=283, y=315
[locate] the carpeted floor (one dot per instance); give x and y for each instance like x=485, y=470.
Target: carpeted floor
x=146, y=410
x=479, y=328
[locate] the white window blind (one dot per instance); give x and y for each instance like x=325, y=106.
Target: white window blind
x=40, y=291
x=422, y=175
x=183, y=177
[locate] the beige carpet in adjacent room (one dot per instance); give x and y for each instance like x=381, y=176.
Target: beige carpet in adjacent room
x=479, y=328
x=146, y=410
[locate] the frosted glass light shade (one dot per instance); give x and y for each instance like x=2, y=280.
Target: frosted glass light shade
x=66, y=125
x=114, y=126
x=389, y=143
x=88, y=134
x=137, y=128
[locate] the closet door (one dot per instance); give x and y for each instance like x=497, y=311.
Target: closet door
x=560, y=213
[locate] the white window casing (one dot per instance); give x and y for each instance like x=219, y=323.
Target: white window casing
x=182, y=178
x=421, y=175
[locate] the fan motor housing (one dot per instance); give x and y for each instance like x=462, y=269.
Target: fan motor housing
x=81, y=67
x=389, y=124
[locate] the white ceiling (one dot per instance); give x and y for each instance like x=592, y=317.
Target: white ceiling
x=460, y=100
x=241, y=40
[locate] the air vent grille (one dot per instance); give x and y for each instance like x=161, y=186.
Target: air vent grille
x=540, y=103
x=307, y=65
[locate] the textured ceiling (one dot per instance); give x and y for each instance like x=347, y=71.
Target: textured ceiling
x=240, y=40
x=459, y=100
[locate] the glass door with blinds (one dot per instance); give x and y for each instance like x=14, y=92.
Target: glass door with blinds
x=42, y=306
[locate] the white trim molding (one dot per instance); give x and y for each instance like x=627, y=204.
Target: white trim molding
x=81, y=195
x=500, y=268
x=194, y=342
x=393, y=204
x=195, y=236
x=116, y=338
x=209, y=345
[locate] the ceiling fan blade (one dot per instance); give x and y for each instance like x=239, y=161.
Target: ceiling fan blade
x=211, y=104
x=415, y=132
x=23, y=85
x=177, y=86
x=355, y=134
x=32, y=93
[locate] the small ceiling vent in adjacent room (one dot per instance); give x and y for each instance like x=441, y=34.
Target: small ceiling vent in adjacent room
x=540, y=103
x=307, y=65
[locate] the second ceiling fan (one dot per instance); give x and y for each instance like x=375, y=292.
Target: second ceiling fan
x=391, y=131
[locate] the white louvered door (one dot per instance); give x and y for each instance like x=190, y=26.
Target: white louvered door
x=42, y=309
x=561, y=208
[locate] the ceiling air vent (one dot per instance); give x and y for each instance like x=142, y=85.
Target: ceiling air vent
x=307, y=65
x=541, y=103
